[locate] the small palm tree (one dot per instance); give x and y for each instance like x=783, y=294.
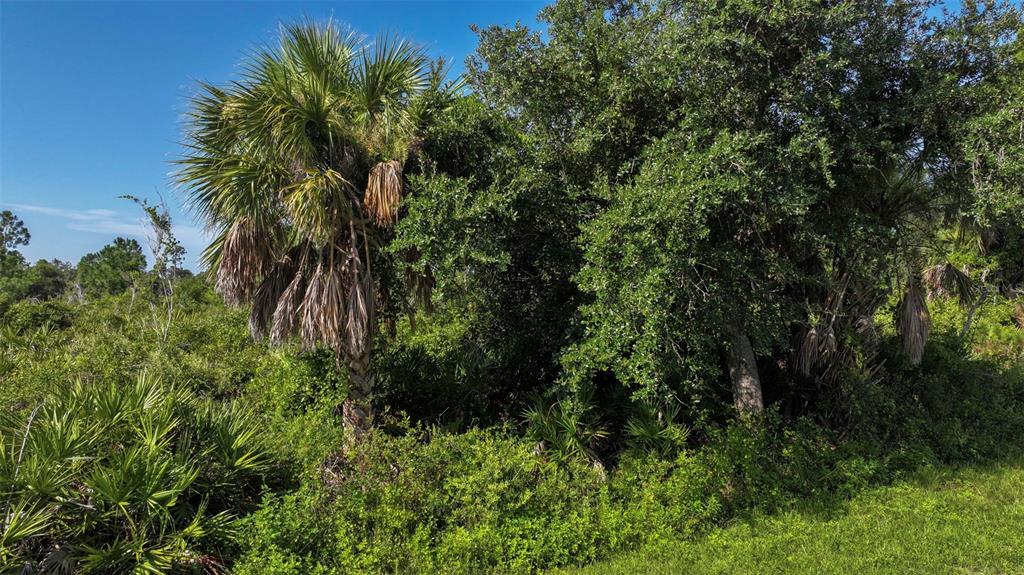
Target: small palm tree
x=914, y=209
x=299, y=169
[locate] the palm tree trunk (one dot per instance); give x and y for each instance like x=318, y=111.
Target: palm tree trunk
x=355, y=411
x=746, y=383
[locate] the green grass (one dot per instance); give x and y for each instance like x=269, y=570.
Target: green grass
x=965, y=522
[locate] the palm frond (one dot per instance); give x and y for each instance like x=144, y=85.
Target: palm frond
x=282, y=275
x=914, y=321
x=384, y=192
x=21, y=521
x=318, y=204
x=324, y=53
x=286, y=312
x=359, y=314
x=246, y=255
x=388, y=78
x=945, y=279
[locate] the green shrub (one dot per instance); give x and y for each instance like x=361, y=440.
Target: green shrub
x=144, y=477
x=434, y=371
x=29, y=315
x=206, y=346
x=478, y=502
x=299, y=396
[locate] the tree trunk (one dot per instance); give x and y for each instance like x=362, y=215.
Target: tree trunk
x=972, y=311
x=355, y=411
x=746, y=383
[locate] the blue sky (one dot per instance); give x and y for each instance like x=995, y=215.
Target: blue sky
x=92, y=95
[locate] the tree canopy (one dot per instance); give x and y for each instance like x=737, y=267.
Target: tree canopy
x=113, y=269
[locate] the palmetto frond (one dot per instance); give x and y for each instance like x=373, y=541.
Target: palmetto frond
x=116, y=469
x=945, y=279
x=384, y=192
x=389, y=78
x=914, y=321
x=653, y=427
x=22, y=520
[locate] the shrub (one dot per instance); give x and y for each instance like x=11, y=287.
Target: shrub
x=477, y=502
x=116, y=479
x=28, y=315
x=299, y=395
x=206, y=347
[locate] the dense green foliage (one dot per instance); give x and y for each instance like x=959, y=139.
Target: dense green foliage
x=661, y=268
x=18, y=280
x=125, y=478
x=111, y=270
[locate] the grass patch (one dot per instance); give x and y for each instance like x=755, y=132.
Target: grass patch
x=943, y=521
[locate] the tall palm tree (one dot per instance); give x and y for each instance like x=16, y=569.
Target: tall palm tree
x=298, y=167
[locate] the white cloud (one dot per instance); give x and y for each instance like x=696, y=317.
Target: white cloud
x=109, y=226
x=111, y=223
x=76, y=215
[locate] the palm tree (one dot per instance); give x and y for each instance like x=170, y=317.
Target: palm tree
x=298, y=167
x=917, y=212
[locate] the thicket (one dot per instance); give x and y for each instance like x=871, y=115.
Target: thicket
x=661, y=267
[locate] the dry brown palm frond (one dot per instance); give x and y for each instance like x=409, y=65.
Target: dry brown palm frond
x=359, y=316
x=286, y=314
x=945, y=279
x=987, y=238
x=1018, y=314
x=829, y=344
x=265, y=301
x=816, y=346
x=914, y=321
x=324, y=308
x=807, y=352
x=245, y=257
x=384, y=192
x=285, y=320
x=934, y=278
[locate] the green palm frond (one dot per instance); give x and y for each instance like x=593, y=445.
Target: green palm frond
x=126, y=472
x=22, y=520
x=563, y=431
x=654, y=428
x=323, y=53
x=235, y=440
x=44, y=477
x=388, y=79
x=284, y=158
